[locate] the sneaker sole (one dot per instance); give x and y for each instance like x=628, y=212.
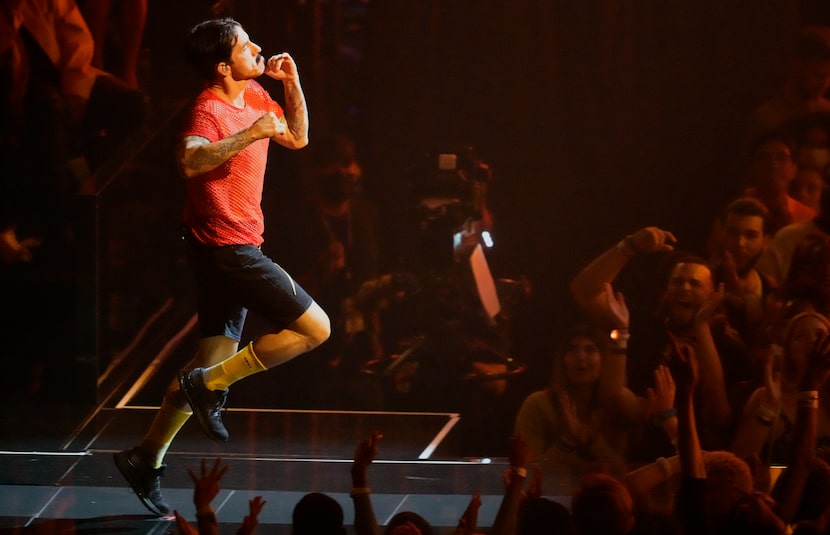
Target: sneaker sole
x=184, y=386
x=125, y=466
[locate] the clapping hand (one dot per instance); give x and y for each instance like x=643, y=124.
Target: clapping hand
x=661, y=397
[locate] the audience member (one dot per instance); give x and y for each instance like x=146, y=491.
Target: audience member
x=61, y=117
x=687, y=306
x=807, y=187
x=206, y=489
x=777, y=257
x=806, y=287
x=770, y=171
x=812, y=135
x=806, y=478
x=805, y=89
x=403, y=522
x=126, y=36
x=714, y=497
x=748, y=294
x=572, y=426
x=542, y=516
x=602, y=504
x=766, y=425
x=507, y=516
x=317, y=514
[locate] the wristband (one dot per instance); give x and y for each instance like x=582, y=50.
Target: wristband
x=808, y=399
x=662, y=417
x=766, y=416
x=519, y=471
x=357, y=491
x=619, y=340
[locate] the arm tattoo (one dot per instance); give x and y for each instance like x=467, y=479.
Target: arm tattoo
x=209, y=156
x=296, y=115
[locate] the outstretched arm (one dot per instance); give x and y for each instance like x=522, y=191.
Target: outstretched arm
x=206, y=489
x=588, y=287
x=715, y=404
x=365, y=522
x=508, y=514
x=788, y=490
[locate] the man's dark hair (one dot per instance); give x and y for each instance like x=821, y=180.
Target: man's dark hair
x=772, y=136
x=317, y=514
x=748, y=206
x=210, y=43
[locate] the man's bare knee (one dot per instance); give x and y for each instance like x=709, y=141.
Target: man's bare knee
x=314, y=325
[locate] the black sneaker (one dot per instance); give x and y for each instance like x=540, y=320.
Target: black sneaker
x=206, y=404
x=143, y=479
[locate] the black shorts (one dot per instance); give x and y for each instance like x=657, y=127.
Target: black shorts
x=232, y=279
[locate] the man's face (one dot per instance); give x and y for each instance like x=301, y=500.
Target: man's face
x=246, y=62
x=744, y=239
x=773, y=168
x=807, y=187
x=690, y=286
x=814, y=78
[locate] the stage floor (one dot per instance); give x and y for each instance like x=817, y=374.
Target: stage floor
x=57, y=473
x=279, y=455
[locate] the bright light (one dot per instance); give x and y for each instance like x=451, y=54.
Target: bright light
x=487, y=239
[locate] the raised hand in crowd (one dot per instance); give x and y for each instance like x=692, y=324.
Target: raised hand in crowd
x=660, y=400
x=468, y=522
x=789, y=487
x=508, y=513
x=365, y=453
x=251, y=520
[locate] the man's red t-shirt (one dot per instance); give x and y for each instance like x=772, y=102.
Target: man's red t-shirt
x=223, y=206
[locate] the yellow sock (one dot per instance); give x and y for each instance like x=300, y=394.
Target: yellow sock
x=238, y=366
x=167, y=423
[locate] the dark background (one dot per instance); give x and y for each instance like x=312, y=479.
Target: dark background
x=597, y=117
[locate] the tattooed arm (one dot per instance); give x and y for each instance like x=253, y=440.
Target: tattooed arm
x=197, y=155
x=282, y=67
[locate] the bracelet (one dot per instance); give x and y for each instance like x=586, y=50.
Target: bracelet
x=619, y=340
x=662, y=417
x=519, y=471
x=808, y=399
x=357, y=491
x=766, y=415
x=764, y=420
x=626, y=247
